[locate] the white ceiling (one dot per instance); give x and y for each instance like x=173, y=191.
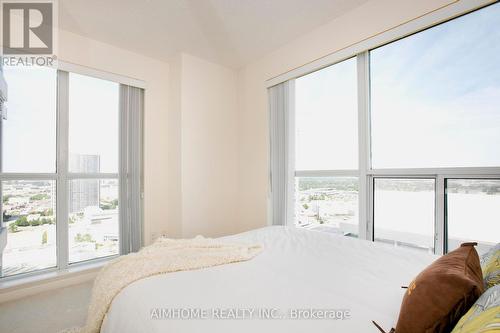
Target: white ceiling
x=229, y=32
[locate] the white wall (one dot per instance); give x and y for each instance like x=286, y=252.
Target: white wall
x=83, y=51
x=174, y=130
x=209, y=148
x=363, y=22
x=191, y=139
x=204, y=150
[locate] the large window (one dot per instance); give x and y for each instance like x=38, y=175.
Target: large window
x=65, y=148
x=326, y=149
x=29, y=137
x=93, y=203
x=326, y=119
x=438, y=93
x=400, y=144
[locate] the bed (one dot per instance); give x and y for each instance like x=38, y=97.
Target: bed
x=303, y=280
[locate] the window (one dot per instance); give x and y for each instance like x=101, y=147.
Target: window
x=434, y=100
x=438, y=93
x=326, y=138
x=93, y=219
x=326, y=119
x=29, y=216
x=93, y=203
x=29, y=136
x=473, y=212
x=62, y=173
x=97, y=152
x=404, y=212
x=398, y=144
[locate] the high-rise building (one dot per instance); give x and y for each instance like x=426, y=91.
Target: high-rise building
x=83, y=192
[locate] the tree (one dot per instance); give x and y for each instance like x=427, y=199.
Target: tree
x=13, y=228
x=39, y=196
x=85, y=238
x=48, y=220
x=6, y=198
x=44, y=237
x=22, y=222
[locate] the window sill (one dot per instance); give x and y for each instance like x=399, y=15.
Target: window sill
x=15, y=288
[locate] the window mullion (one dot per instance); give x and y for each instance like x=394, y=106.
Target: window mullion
x=62, y=169
x=439, y=229
x=364, y=144
x=94, y=175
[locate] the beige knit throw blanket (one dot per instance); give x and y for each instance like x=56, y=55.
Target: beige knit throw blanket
x=163, y=256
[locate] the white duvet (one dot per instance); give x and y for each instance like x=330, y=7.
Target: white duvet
x=335, y=283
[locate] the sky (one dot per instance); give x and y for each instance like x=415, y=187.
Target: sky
x=93, y=119
x=435, y=102
x=326, y=118
x=436, y=96
x=29, y=133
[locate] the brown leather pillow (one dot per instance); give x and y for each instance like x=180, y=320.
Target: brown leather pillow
x=442, y=293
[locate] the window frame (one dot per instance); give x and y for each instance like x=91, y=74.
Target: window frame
x=365, y=172
x=125, y=175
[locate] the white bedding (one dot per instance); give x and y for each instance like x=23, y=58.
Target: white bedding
x=298, y=269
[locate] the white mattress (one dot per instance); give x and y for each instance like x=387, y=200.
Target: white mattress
x=298, y=269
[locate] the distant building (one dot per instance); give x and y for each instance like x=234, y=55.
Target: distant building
x=83, y=192
x=84, y=163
